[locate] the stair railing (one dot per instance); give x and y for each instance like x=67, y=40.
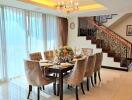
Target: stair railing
x=119, y=45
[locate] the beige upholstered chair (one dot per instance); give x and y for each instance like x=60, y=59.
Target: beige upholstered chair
x=90, y=64
x=87, y=51
x=98, y=63
x=49, y=55
x=35, y=56
x=77, y=75
x=35, y=76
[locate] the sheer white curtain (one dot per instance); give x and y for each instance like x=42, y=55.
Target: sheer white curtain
x=52, y=34
x=15, y=30
x=35, y=34
x=1, y=69
x=3, y=57
x=0, y=44
x=22, y=32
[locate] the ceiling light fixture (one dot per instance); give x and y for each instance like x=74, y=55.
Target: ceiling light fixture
x=68, y=6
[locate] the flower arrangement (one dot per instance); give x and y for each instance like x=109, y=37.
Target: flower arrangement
x=65, y=54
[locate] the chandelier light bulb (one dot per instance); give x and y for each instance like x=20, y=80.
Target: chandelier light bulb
x=67, y=6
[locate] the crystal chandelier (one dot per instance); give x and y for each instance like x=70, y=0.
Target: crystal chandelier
x=67, y=6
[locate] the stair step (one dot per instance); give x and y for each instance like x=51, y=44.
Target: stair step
x=125, y=62
x=98, y=43
x=94, y=40
x=111, y=54
x=117, y=59
x=88, y=37
x=106, y=50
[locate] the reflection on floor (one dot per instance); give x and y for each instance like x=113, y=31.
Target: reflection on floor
x=115, y=85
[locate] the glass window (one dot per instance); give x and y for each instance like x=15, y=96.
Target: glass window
x=15, y=41
x=36, y=34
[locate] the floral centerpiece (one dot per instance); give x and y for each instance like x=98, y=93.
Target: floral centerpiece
x=64, y=54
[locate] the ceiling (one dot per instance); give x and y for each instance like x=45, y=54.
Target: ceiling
x=84, y=5
x=48, y=6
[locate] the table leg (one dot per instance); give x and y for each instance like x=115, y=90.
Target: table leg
x=61, y=85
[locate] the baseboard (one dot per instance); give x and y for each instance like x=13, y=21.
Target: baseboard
x=115, y=68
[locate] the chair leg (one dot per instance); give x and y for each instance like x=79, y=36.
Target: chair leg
x=54, y=88
x=92, y=81
x=87, y=83
x=68, y=86
x=82, y=88
x=30, y=89
x=95, y=77
x=77, y=93
x=38, y=93
x=43, y=87
x=54, y=84
x=99, y=75
x=58, y=89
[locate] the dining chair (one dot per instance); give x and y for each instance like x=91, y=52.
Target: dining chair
x=49, y=55
x=35, y=56
x=87, y=51
x=77, y=75
x=35, y=76
x=90, y=64
x=98, y=63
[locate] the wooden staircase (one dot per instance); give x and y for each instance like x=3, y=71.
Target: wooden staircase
x=110, y=42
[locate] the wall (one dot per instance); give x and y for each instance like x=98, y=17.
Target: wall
x=80, y=42
x=120, y=27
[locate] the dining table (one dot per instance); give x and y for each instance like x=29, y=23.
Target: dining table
x=60, y=69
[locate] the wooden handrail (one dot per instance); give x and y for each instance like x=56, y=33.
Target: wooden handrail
x=115, y=35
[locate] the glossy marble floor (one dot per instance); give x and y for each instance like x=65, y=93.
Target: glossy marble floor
x=115, y=85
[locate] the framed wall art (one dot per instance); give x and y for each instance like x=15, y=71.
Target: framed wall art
x=129, y=30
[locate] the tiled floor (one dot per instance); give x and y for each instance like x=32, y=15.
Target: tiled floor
x=115, y=85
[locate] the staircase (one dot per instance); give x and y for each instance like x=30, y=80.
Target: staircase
x=104, y=18
x=110, y=42
x=115, y=18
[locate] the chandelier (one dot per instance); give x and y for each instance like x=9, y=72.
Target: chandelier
x=68, y=6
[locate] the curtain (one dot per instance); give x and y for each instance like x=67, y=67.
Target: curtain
x=52, y=35
x=63, y=30
x=1, y=69
x=22, y=32
x=15, y=30
x=35, y=34
x=3, y=57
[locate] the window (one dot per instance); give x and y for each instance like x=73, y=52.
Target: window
x=52, y=32
x=15, y=40
x=36, y=34
x=22, y=32
x=1, y=45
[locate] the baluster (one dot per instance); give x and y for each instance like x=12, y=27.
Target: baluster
x=131, y=51
x=126, y=52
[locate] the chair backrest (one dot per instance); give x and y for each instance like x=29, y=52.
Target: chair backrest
x=77, y=74
x=49, y=55
x=99, y=58
x=35, y=56
x=87, y=51
x=90, y=64
x=33, y=73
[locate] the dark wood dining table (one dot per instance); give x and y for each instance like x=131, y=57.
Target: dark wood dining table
x=61, y=70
